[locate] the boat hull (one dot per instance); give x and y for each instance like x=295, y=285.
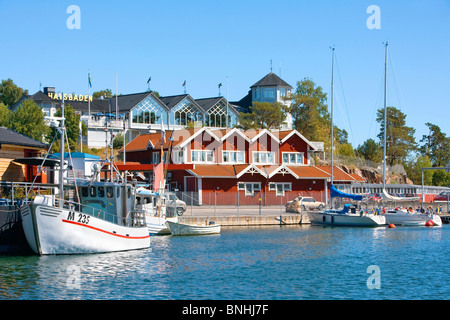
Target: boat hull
x=157, y=226
x=336, y=219
x=402, y=218
x=181, y=229
x=53, y=230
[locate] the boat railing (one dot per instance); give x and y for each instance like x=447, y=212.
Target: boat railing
x=133, y=218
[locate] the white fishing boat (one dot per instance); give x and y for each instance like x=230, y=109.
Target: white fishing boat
x=349, y=216
x=154, y=206
x=100, y=219
x=183, y=229
x=103, y=221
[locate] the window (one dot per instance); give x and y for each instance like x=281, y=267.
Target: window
x=202, y=156
x=156, y=157
x=178, y=156
x=233, y=157
x=280, y=187
x=186, y=113
x=292, y=157
x=249, y=187
x=264, y=157
x=269, y=92
x=147, y=112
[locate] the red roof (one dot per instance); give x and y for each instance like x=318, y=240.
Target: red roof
x=311, y=172
x=338, y=173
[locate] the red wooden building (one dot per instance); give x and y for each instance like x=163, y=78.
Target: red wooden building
x=227, y=166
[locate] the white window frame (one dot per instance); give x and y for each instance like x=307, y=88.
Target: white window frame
x=235, y=156
x=203, y=156
x=249, y=187
x=280, y=187
x=296, y=158
x=265, y=153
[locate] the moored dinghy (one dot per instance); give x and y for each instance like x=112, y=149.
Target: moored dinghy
x=183, y=229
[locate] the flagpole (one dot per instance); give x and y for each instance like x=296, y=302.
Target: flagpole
x=227, y=104
x=116, y=99
x=89, y=95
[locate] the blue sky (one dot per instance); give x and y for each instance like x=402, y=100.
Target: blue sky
x=204, y=42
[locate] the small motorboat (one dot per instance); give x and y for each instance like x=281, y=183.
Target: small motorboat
x=183, y=229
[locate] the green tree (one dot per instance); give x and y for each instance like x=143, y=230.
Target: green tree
x=345, y=149
x=436, y=145
x=370, y=150
x=72, y=125
x=28, y=119
x=414, y=167
x=310, y=112
x=106, y=93
x=263, y=115
x=400, y=139
x=441, y=178
x=10, y=93
x=5, y=114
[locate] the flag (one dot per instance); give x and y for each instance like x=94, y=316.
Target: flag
x=149, y=79
x=158, y=181
x=89, y=80
x=184, y=83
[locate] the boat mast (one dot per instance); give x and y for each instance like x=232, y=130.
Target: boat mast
x=61, y=151
x=332, y=90
x=385, y=116
x=332, y=134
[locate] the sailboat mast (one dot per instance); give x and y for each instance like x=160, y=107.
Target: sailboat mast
x=332, y=129
x=61, y=158
x=385, y=116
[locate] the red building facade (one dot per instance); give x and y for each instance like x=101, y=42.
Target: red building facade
x=230, y=166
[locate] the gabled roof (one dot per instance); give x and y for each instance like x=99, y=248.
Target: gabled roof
x=172, y=101
x=254, y=135
x=126, y=102
x=271, y=80
x=286, y=134
x=208, y=103
x=243, y=169
x=8, y=136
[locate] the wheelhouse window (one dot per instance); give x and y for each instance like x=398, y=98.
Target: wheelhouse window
x=292, y=158
x=264, y=157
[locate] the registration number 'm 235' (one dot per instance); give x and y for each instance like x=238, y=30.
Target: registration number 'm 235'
x=82, y=218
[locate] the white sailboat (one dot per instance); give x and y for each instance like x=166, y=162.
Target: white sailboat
x=402, y=216
x=349, y=215
x=102, y=219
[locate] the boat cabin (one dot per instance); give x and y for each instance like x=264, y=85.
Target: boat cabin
x=113, y=200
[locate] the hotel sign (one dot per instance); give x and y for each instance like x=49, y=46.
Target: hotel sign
x=70, y=97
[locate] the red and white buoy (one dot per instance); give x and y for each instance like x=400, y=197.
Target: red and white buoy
x=392, y=226
x=429, y=223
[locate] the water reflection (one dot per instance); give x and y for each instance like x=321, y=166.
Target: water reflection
x=288, y=262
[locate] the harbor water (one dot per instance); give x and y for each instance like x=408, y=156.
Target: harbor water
x=291, y=262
